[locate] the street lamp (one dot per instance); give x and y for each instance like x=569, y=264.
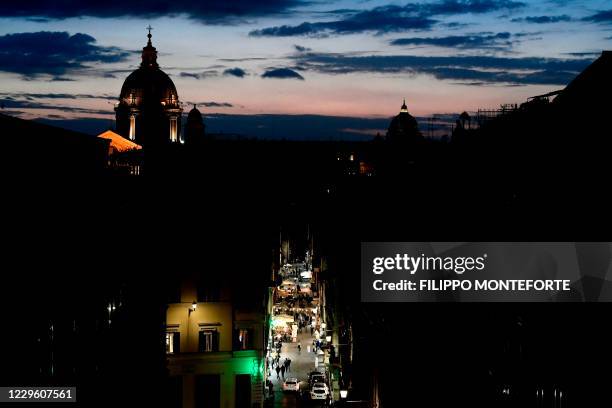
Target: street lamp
x=343, y=394
x=194, y=306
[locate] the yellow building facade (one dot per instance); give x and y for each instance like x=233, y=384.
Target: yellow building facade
x=215, y=348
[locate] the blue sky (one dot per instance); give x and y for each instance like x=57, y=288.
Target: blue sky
x=285, y=57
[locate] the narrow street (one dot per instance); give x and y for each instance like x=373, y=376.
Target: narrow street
x=302, y=363
x=296, y=322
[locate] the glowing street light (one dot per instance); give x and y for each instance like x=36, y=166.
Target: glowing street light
x=193, y=307
x=343, y=394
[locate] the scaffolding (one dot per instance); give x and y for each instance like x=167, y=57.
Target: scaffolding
x=485, y=115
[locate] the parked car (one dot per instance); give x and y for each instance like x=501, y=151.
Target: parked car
x=319, y=393
x=291, y=384
x=320, y=385
x=317, y=378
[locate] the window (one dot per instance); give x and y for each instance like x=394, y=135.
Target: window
x=208, y=340
x=209, y=291
x=243, y=339
x=173, y=342
x=173, y=130
x=132, y=127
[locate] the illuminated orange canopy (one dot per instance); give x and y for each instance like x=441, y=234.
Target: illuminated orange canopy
x=118, y=143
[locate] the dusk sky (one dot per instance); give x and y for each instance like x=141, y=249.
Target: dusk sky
x=338, y=58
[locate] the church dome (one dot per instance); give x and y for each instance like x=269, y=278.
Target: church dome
x=195, y=127
x=149, y=84
x=403, y=127
x=194, y=115
x=149, y=106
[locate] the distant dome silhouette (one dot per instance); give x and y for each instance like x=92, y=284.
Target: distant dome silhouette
x=403, y=127
x=149, y=111
x=195, y=127
x=194, y=114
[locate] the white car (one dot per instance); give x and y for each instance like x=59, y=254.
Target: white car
x=319, y=393
x=291, y=384
x=322, y=386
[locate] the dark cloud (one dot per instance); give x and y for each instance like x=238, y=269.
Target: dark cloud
x=300, y=48
x=584, y=54
x=282, y=73
x=199, y=75
x=211, y=11
x=212, y=104
x=189, y=75
x=480, y=40
x=542, y=19
x=454, y=25
x=20, y=104
x=471, y=69
x=446, y=7
x=237, y=72
x=380, y=20
x=217, y=104
x=242, y=59
x=388, y=18
x=61, y=79
x=53, y=53
x=604, y=16
x=34, y=96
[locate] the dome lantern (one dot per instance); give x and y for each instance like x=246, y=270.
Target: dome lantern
x=149, y=53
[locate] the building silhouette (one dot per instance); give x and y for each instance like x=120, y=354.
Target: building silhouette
x=403, y=128
x=149, y=111
x=195, y=127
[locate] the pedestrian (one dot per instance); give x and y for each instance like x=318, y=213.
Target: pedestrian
x=299, y=348
x=277, y=372
x=282, y=369
x=289, y=365
x=311, y=330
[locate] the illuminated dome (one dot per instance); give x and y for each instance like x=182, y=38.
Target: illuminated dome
x=149, y=111
x=144, y=84
x=403, y=127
